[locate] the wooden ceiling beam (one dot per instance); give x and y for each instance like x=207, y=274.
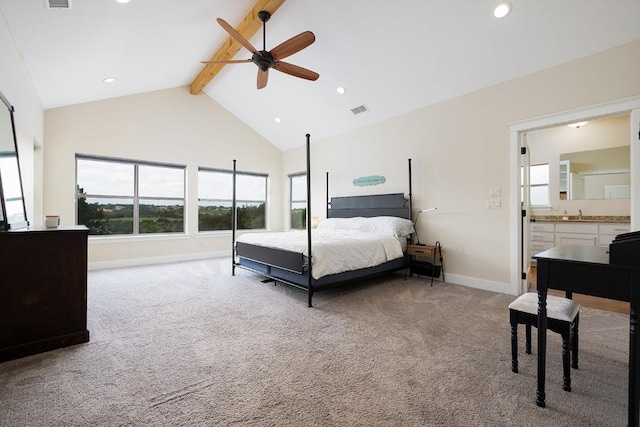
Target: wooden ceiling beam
x=247, y=28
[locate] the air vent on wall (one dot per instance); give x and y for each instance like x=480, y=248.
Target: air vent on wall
x=58, y=4
x=360, y=109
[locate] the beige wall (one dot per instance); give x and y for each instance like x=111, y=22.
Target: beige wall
x=170, y=126
x=17, y=87
x=460, y=149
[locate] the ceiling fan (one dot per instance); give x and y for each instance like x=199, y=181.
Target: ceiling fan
x=271, y=59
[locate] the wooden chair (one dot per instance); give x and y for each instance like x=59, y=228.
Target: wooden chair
x=563, y=317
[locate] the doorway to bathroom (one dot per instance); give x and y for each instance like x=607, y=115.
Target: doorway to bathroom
x=521, y=211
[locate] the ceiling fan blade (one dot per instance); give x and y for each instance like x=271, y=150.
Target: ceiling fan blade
x=263, y=77
x=236, y=35
x=295, y=71
x=293, y=45
x=231, y=61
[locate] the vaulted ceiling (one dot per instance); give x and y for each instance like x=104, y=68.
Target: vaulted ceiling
x=391, y=56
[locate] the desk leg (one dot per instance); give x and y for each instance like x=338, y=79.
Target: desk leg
x=542, y=341
x=634, y=353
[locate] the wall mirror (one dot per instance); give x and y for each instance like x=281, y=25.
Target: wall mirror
x=588, y=160
x=595, y=174
x=13, y=213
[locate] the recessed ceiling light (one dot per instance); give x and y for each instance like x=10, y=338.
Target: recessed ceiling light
x=122, y=1
x=577, y=125
x=109, y=79
x=278, y=120
x=341, y=90
x=502, y=10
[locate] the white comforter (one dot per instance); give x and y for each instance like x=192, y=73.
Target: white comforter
x=333, y=251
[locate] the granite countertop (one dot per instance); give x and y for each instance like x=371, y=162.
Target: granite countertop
x=585, y=218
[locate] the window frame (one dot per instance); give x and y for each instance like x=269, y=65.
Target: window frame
x=545, y=184
x=136, y=198
x=230, y=201
x=292, y=201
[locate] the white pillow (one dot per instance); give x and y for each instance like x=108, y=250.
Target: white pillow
x=389, y=225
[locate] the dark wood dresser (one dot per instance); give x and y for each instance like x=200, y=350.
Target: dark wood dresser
x=43, y=290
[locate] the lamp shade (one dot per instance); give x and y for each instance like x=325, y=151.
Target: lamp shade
x=415, y=226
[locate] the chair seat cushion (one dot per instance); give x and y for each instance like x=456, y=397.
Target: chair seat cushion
x=558, y=308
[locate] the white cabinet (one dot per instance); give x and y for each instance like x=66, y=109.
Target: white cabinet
x=546, y=235
x=573, y=233
x=608, y=232
x=564, y=183
x=541, y=237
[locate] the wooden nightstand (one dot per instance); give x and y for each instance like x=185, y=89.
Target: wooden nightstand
x=418, y=264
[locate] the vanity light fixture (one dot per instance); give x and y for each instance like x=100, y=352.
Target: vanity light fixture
x=577, y=125
x=109, y=79
x=341, y=90
x=502, y=10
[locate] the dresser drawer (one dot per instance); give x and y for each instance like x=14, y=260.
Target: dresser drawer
x=573, y=227
x=540, y=226
x=537, y=247
x=422, y=251
x=541, y=236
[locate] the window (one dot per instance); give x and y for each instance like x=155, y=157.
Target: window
x=129, y=197
x=298, y=199
x=215, y=200
x=539, y=185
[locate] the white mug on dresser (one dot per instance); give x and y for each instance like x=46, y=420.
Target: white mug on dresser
x=51, y=221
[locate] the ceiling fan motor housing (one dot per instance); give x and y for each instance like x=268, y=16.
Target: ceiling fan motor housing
x=263, y=59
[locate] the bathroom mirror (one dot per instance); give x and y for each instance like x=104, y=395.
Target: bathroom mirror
x=13, y=213
x=595, y=174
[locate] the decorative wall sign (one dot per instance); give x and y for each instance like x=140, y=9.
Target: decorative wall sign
x=369, y=180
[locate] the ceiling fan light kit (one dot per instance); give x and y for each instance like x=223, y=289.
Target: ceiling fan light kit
x=265, y=59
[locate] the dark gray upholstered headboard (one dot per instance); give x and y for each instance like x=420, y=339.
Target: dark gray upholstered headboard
x=369, y=206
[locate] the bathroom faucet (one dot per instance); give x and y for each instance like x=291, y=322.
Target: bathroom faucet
x=579, y=214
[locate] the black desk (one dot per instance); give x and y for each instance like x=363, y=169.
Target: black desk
x=586, y=270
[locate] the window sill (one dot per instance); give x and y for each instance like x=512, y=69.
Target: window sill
x=137, y=238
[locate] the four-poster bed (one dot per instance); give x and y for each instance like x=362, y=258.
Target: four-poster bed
x=363, y=237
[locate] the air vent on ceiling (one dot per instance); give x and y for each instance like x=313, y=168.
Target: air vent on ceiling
x=58, y=4
x=360, y=109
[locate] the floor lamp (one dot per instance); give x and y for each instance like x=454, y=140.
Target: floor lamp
x=415, y=226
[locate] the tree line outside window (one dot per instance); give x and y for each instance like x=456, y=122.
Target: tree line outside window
x=116, y=196
x=127, y=197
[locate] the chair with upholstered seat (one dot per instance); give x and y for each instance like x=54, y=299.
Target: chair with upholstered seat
x=563, y=316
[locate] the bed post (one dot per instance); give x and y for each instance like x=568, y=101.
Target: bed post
x=328, y=201
x=233, y=222
x=310, y=282
x=410, y=194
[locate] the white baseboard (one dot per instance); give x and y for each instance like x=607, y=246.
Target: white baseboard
x=135, y=262
x=485, y=285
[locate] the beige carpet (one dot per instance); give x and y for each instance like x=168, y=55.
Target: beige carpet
x=188, y=344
